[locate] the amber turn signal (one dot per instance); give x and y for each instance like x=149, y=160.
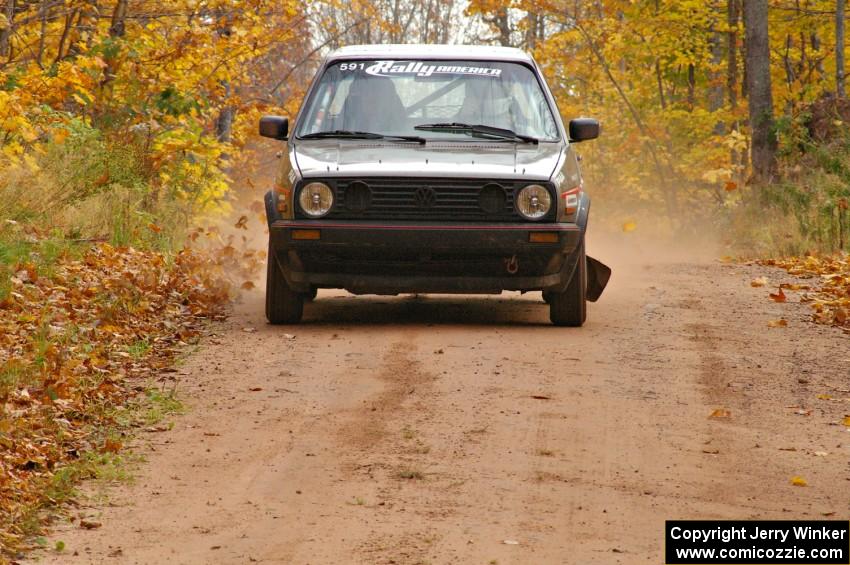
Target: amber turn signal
x=543, y=237
x=306, y=234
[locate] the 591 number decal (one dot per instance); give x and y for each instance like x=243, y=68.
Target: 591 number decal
x=352, y=66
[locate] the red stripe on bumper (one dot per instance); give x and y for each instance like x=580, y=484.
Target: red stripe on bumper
x=443, y=227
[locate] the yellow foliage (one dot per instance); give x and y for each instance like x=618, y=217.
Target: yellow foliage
x=161, y=84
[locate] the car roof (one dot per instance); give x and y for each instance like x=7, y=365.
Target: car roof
x=423, y=51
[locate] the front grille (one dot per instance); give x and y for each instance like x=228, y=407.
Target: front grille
x=425, y=199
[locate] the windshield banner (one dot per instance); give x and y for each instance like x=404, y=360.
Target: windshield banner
x=418, y=68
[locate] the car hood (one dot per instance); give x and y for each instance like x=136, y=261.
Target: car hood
x=345, y=158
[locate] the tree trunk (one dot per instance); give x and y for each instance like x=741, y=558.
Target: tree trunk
x=692, y=84
x=733, y=16
x=660, y=82
x=116, y=29
x=119, y=17
x=715, y=77
x=42, y=35
x=503, y=24
x=66, y=31
x=6, y=32
x=816, y=58
x=224, y=122
x=757, y=60
x=839, y=49
x=715, y=93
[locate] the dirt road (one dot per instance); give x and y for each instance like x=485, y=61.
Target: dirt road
x=468, y=430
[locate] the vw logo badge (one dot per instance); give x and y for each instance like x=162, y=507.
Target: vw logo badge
x=425, y=196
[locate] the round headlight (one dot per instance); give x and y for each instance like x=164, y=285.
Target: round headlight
x=534, y=202
x=316, y=199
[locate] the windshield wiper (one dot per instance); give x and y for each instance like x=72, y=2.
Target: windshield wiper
x=455, y=127
x=348, y=134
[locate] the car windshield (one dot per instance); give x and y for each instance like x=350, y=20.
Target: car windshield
x=393, y=97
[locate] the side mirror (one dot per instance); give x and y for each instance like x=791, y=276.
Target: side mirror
x=274, y=127
x=584, y=129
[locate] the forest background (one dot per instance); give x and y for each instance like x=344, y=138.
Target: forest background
x=126, y=120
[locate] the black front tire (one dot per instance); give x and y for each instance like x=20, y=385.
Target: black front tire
x=569, y=308
x=283, y=305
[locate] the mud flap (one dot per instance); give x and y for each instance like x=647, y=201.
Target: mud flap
x=597, y=278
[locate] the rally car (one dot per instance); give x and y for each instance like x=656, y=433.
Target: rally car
x=429, y=169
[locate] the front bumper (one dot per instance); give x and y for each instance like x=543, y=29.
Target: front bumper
x=398, y=257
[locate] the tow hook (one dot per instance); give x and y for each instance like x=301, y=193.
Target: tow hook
x=512, y=265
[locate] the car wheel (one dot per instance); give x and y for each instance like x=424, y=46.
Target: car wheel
x=569, y=308
x=547, y=296
x=283, y=305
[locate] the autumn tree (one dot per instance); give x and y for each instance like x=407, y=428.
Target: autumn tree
x=383, y=21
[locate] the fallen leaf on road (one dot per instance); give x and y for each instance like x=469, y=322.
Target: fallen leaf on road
x=90, y=524
x=540, y=397
x=629, y=226
x=761, y=281
x=510, y=542
x=821, y=453
x=255, y=388
x=778, y=296
x=288, y=336
x=249, y=330
x=111, y=446
x=799, y=482
x=846, y=421
x=720, y=414
x=248, y=285
x=780, y=323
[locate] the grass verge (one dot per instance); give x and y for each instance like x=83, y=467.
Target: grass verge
x=83, y=333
